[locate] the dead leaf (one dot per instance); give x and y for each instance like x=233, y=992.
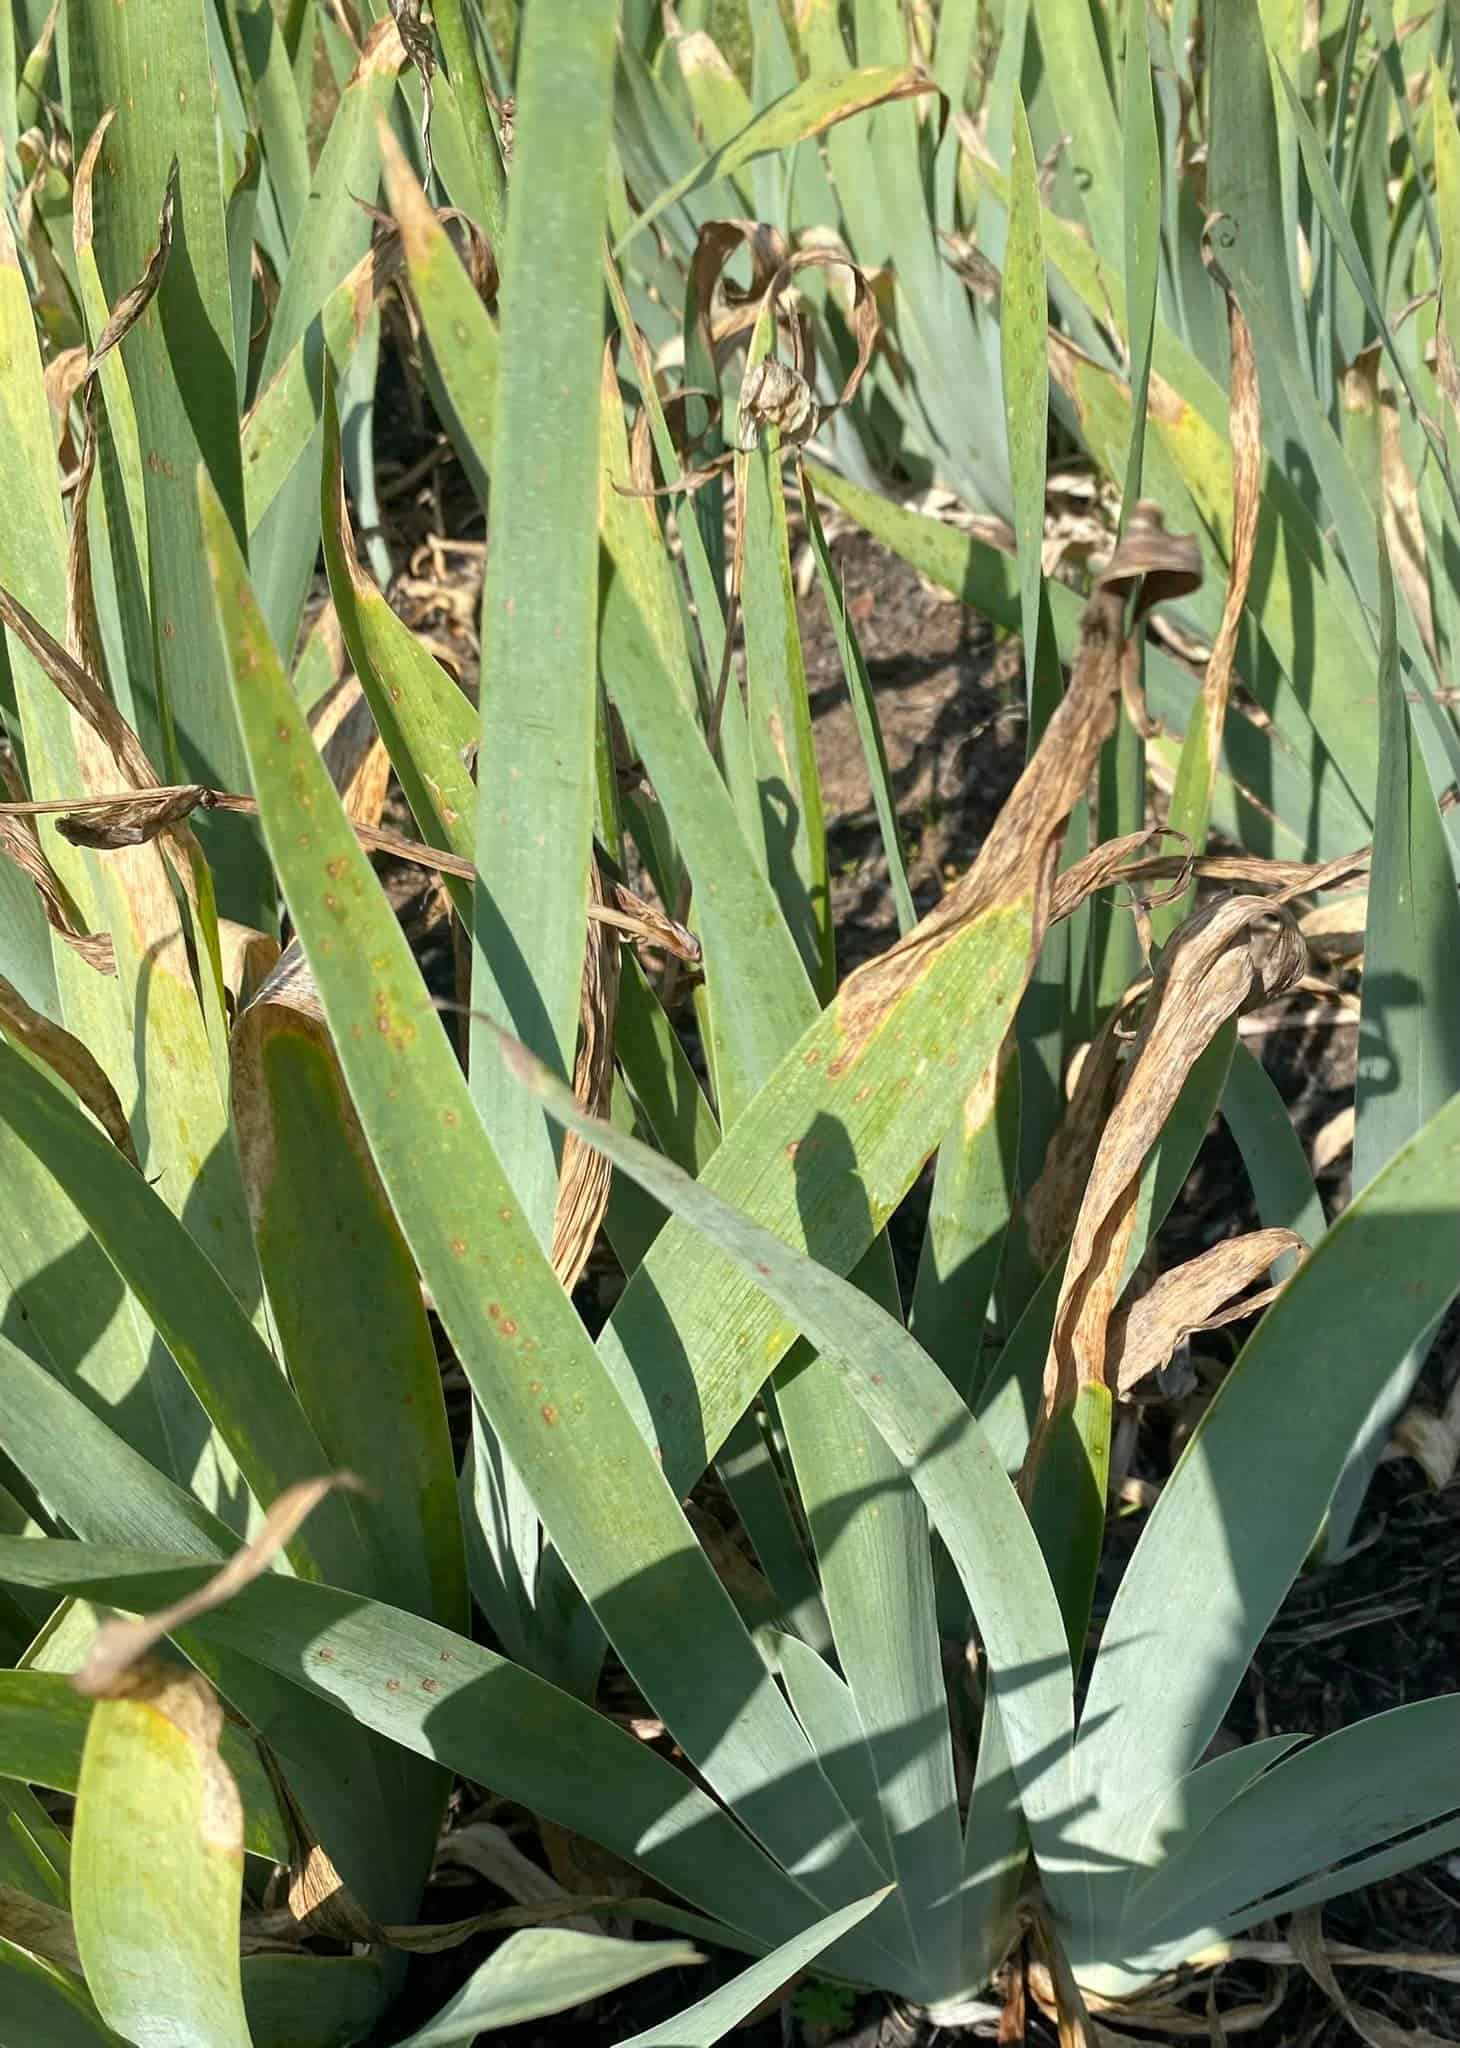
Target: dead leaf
x=248, y=958
x=490, y=1851
x=19, y=843
x=585, y=1175
x=1236, y=953
x=1053, y=1203
x=1305, y=1937
x=1196, y=1295
x=1114, y=860
x=118, y=1646
x=66, y=1056
x=1017, y=860
x=1432, y=1440
x=121, y=821
x=343, y=730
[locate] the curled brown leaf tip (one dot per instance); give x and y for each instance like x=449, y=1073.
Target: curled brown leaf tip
x=1233, y=956
x=775, y=395
x=133, y=822
x=118, y=1645
x=1199, y=1294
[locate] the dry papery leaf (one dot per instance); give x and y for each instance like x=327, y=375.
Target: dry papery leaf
x=1053, y=1203
x=1305, y=1939
x=66, y=1056
x=1017, y=859
x=1431, y=1439
x=1197, y=1295
x=89, y=821
x=119, y=1645
x=585, y=1175
x=248, y=958
x=774, y=392
x=1160, y=2009
x=1231, y=956
x=343, y=731
x=490, y=1851
x=19, y=843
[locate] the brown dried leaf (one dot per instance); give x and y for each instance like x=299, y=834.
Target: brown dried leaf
x=19, y=843
x=491, y=1852
x=133, y=302
x=343, y=730
x=1305, y=1937
x=248, y=958
x=110, y=823
x=81, y=691
x=67, y=1056
x=718, y=241
x=1335, y=931
x=647, y=924
x=585, y=1175
x=1196, y=1295
x=1053, y=1203
x=118, y=1646
x=775, y=395
x=1106, y=864
x=1017, y=860
x=1233, y=955
x=437, y=1937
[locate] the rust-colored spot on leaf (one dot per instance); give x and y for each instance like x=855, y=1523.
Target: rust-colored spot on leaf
x=550, y=1415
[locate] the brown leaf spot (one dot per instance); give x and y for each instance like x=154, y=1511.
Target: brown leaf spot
x=430, y=1685
x=550, y=1415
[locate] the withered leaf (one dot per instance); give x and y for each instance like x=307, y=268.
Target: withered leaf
x=67, y=1056
x=585, y=1175
x=118, y=1646
x=1197, y=1295
x=19, y=843
x=114, y=822
x=1018, y=857
x=1233, y=955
